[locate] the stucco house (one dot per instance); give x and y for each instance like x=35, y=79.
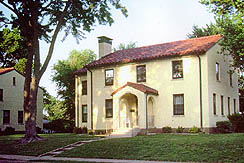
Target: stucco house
x=183, y=83
x=12, y=100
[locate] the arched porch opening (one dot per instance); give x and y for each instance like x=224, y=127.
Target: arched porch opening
x=128, y=111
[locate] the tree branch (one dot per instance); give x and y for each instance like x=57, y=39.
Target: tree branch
x=51, y=47
x=10, y=8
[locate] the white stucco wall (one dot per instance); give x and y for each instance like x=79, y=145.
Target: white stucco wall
x=13, y=99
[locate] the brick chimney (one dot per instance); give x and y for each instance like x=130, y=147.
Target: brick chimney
x=105, y=46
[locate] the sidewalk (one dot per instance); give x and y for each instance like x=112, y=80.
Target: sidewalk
x=50, y=158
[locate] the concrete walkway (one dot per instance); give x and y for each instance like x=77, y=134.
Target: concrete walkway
x=50, y=158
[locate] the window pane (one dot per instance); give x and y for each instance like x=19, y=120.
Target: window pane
x=177, y=69
x=217, y=71
x=141, y=73
x=222, y=105
x=109, y=108
x=109, y=77
x=1, y=94
x=214, y=104
x=6, y=117
x=84, y=87
x=84, y=113
x=178, y=101
x=20, y=117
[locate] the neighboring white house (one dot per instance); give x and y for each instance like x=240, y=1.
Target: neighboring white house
x=183, y=83
x=12, y=100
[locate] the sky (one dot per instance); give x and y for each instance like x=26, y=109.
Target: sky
x=149, y=22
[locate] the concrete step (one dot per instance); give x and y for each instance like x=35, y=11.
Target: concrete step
x=125, y=132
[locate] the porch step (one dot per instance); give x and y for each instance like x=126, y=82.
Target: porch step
x=124, y=132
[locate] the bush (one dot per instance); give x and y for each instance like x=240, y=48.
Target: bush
x=39, y=130
x=237, y=122
x=223, y=126
x=167, y=129
x=77, y=130
x=194, y=129
x=9, y=131
x=84, y=130
x=60, y=126
x=180, y=129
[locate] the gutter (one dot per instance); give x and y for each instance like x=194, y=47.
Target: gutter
x=200, y=87
x=91, y=100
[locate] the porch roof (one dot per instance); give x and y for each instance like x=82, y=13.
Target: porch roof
x=141, y=87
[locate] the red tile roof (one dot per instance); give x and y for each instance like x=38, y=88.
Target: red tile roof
x=193, y=46
x=141, y=87
x=5, y=70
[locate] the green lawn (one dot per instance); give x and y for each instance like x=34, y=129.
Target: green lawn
x=167, y=147
x=8, y=143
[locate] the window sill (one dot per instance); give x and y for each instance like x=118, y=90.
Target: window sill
x=178, y=116
x=84, y=122
x=109, y=117
x=20, y=123
x=175, y=79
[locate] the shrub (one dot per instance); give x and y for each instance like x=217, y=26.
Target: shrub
x=194, y=129
x=90, y=132
x=223, y=126
x=60, y=126
x=167, y=129
x=180, y=129
x=77, y=130
x=9, y=131
x=39, y=130
x=237, y=122
x=84, y=130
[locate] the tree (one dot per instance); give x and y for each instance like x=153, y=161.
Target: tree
x=44, y=19
x=65, y=79
x=211, y=29
x=12, y=47
x=124, y=46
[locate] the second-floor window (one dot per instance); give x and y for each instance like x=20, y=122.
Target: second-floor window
x=178, y=102
x=177, y=69
x=230, y=79
x=217, y=71
x=20, y=117
x=14, y=81
x=109, y=77
x=6, y=116
x=1, y=94
x=84, y=87
x=141, y=73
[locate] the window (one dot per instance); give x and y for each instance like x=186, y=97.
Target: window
x=228, y=105
x=6, y=116
x=177, y=69
x=20, y=117
x=214, y=104
x=178, y=101
x=14, y=81
x=109, y=108
x=84, y=87
x=84, y=113
x=230, y=79
x=234, y=101
x=109, y=77
x=222, y=105
x=217, y=71
x=141, y=73
x=1, y=94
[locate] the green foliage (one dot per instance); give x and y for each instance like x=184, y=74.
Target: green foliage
x=65, y=79
x=211, y=29
x=167, y=129
x=223, y=126
x=80, y=130
x=124, y=46
x=237, y=121
x=194, y=129
x=60, y=126
x=180, y=129
x=12, y=47
x=9, y=131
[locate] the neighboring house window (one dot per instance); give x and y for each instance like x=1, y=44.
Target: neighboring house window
x=109, y=77
x=141, y=73
x=20, y=117
x=230, y=79
x=178, y=101
x=14, y=81
x=234, y=101
x=228, y=105
x=1, y=94
x=214, y=104
x=84, y=113
x=222, y=105
x=84, y=87
x=6, y=116
x=177, y=69
x=109, y=108
x=217, y=71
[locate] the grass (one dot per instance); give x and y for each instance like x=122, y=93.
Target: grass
x=8, y=143
x=167, y=147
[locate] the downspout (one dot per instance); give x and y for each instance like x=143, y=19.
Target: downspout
x=200, y=84
x=146, y=117
x=91, y=100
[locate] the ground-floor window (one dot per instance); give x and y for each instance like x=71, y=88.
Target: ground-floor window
x=20, y=117
x=109, y=108
x=6, y=116
x=234, y=101
x=84, y=113
x=222, y=105
x=178, y=100
x=214, y=104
